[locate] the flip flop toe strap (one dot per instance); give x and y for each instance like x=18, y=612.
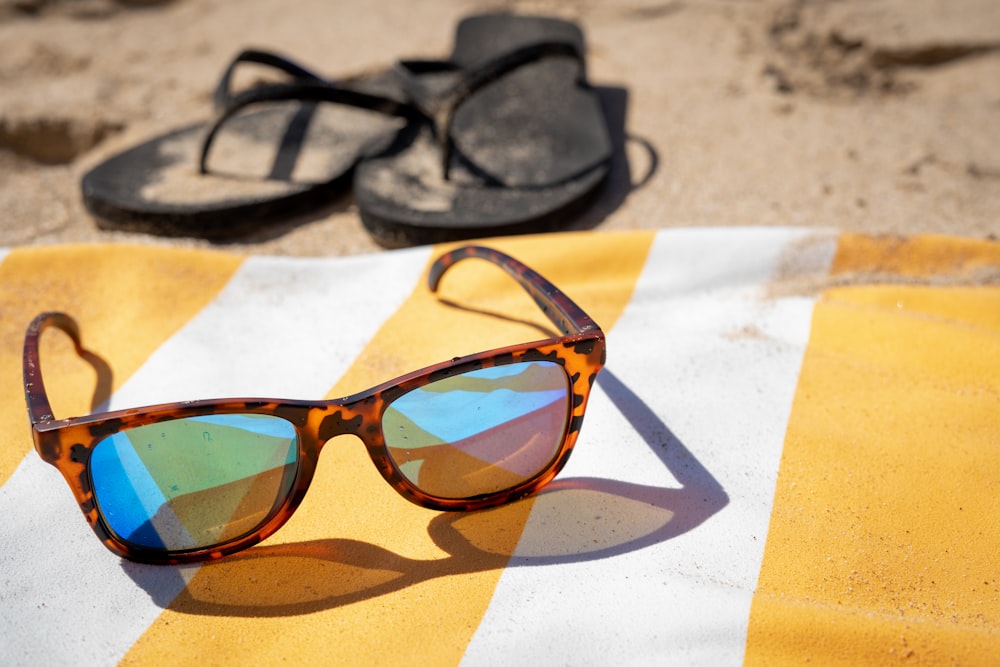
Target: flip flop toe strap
x=224, y=96
x=440, y=106
x=302, y=92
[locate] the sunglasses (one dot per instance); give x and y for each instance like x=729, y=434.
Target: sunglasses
x=193, y=481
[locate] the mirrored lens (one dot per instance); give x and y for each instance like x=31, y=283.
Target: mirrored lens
x=480, y=432
x=194, y=482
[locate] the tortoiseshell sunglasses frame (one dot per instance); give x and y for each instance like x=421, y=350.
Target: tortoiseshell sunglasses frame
x=67, y=443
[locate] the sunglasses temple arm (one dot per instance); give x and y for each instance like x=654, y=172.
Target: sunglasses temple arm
x=39, y=409
x=560, y=309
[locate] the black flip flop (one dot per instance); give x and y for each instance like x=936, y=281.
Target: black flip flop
x=514, y=139
x=273, y=151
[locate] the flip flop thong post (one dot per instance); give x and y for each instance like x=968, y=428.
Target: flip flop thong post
x=273, y=151
x=513, y=139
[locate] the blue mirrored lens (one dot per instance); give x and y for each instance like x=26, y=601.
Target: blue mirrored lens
x=194, y=482
x=480, y=432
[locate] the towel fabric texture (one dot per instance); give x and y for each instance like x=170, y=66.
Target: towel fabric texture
x=793, y=454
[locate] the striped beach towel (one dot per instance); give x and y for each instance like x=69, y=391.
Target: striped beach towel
x=792, y=455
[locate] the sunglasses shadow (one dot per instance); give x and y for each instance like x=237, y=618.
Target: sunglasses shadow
x=102, y=383
x=572, y=520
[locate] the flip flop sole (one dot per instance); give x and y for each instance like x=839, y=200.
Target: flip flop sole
x=530, y=148
x=403, y=204
x=272, y=162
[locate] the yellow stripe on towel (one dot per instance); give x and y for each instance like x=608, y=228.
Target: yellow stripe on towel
x=883, y=542
x=359, y=575
x=127, y=299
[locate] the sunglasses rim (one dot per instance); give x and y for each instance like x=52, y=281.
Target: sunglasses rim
x=581, y=361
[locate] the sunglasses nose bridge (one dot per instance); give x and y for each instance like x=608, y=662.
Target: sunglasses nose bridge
x=358, y=419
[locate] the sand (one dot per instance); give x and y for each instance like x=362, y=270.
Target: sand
x=878, y=116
